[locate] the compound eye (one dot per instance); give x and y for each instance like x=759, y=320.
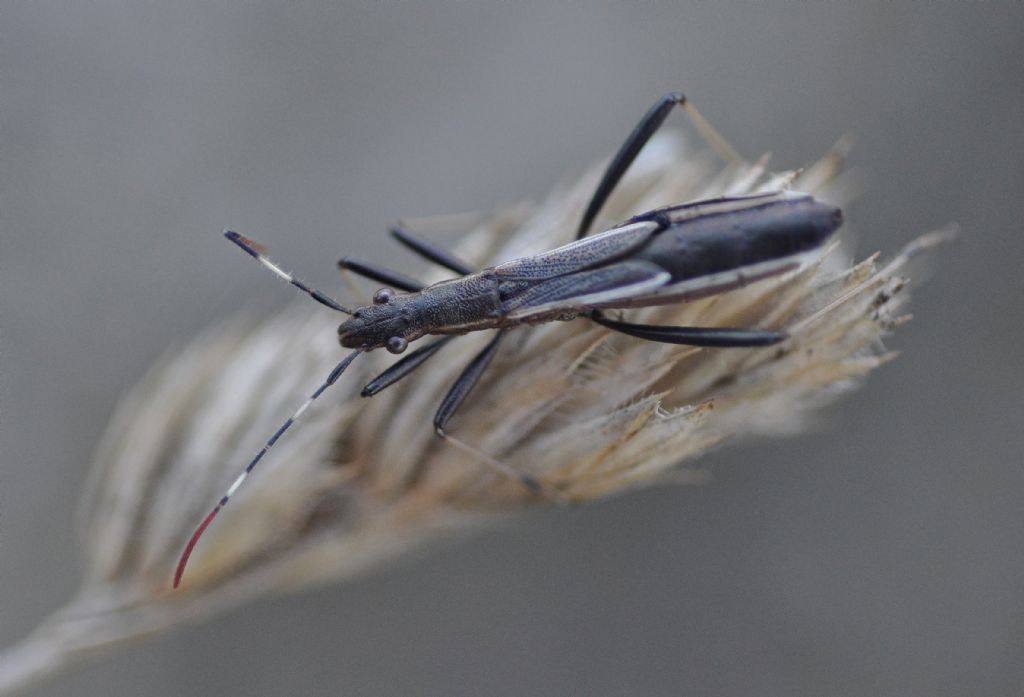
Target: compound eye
x=383, y=296
x=396, y=344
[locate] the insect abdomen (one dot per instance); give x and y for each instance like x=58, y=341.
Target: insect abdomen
x=727, y=236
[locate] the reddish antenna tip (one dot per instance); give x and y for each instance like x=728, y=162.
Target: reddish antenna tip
x=183, y=560
x=261, y=248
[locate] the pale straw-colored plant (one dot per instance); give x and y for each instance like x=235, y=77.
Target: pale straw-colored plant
x=361, y=481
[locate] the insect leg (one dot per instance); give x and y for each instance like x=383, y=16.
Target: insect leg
x=392, y=279
x=399, y=369
x=430, y=251
x=693, y=336
x=642, y=133
x=456, y=396
x=465, y=382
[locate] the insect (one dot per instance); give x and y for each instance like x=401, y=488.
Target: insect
x=669, y=255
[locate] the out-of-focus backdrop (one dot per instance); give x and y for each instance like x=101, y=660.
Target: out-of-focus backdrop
x=880, y=554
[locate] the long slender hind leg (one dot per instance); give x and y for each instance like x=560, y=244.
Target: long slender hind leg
x=648, y=126
x=721, y=337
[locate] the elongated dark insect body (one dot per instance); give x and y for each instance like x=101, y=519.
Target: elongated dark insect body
x=665, y=256
x=669, y=255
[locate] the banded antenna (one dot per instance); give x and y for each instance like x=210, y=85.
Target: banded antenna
x=255, y=250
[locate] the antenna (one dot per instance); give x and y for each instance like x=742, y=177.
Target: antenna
x=255, y=250
x=331, y=379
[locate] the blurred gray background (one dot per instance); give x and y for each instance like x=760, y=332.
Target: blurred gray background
x=880, y=554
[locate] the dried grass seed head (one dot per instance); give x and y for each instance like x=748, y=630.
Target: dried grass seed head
x=360, y=481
